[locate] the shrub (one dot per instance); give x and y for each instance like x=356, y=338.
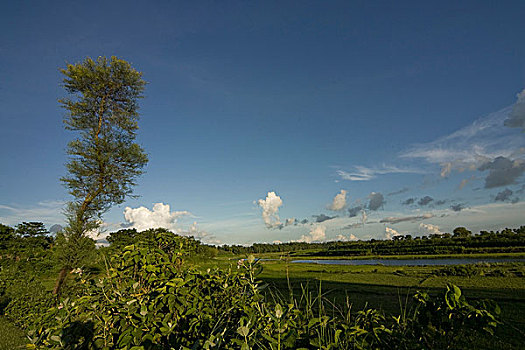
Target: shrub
x=147, y=298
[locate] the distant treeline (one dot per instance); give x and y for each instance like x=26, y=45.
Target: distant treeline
x=29, y=240
x=461, y=241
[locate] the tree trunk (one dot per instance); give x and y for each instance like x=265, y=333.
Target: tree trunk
x=60, y=280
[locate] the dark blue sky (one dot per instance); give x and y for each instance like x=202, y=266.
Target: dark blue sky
x=246, y=98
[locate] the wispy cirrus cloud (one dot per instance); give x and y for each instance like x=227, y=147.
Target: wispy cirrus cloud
x=516, y=117
x=46, y=211
x=362, y=173
x=477, y=144
x=413, y=218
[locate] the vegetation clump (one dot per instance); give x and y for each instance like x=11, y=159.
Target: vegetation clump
x=148, y=297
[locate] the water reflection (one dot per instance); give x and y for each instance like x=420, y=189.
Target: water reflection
x=407, y=262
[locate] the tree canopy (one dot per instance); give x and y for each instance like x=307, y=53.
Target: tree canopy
x=104, y=159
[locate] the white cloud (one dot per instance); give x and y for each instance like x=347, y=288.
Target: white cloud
x=270, y=208
x=390, y=233
x=316, y=234
x=446, y=168
x=429, y=229
x=468, y=148
x=363, y=173
x=344, y=238
x=364, y=217
x=49, y=212
x=517, y=115
x=289, y=221
x=160, y=217
x=413, y=218
x=201, y=235
x=339, y=201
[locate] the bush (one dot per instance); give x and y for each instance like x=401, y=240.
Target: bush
x=149, y=299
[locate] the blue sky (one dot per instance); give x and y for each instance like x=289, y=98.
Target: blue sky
x=257, y=114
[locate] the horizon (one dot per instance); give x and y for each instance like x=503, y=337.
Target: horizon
x=280, y=122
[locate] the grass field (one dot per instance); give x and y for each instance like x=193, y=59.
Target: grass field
x=389, y=288
x=11, y=337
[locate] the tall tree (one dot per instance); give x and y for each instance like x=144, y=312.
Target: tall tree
x=31, y=229
x=104, y=160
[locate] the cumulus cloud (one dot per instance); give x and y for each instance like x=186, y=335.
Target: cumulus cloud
x=408, y=201
x=344, y=238
x=316, y=234
x=502, y=171
x=352, y=212
x=201, y=235
x=425, y=201
x=457, y=207
x=142, y=218
x=395, y=220
x=516, y=117
x=390, y=233
x=503, y=195
x=290, y=221
x=376, y=201
x=270, y=210
x=339, y=201
x=429, y=229
x=322, y=217
x=362, y=173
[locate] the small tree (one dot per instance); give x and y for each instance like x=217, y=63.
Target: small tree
x=461, y=232
x=104, y=160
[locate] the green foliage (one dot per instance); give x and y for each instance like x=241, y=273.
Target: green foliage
x=23, y=298
x=11, y=337
x=6, y=232
x=74, y=250
x=461, y=232
x=463, y=242
x=442, y=323
x=31, y=229
x=190, y=246
x=104, y=160
x=149, y=299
